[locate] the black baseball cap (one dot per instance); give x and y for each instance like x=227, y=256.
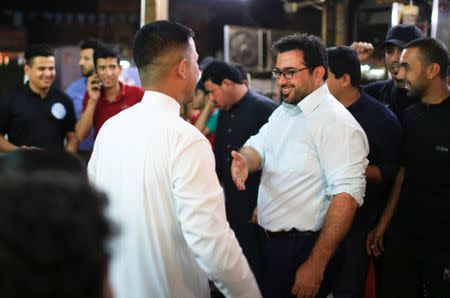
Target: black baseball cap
x=402, y=34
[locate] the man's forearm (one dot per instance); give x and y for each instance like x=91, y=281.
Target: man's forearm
x=85, y=123
x=337, y=223
x=392, y=203
x=252, y=157
x=71, y=142
x=5, y=145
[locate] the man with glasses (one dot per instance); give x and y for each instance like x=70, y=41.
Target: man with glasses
x=313, y=155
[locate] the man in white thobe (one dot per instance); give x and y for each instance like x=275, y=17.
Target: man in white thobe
x=159, y=173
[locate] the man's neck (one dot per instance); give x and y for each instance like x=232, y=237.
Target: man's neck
x=240, y=91
x=351, y=96
x=112, y=93
x=41, y=92
x=437, y=93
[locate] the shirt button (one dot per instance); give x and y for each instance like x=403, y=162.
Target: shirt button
x=229, y=130
x=228, y=146
x=232, y=115
x=227, y=159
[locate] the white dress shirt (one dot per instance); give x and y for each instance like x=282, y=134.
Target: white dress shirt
x=309, y=152
x=158, y=172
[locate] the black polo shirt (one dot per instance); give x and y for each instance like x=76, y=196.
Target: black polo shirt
x=424, y=207
x=30, y=120
x=394, y=98
x=384, y=134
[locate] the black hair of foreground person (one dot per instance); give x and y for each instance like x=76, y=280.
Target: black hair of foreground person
x=53, y=236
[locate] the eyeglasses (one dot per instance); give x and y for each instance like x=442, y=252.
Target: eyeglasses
x=288, y=73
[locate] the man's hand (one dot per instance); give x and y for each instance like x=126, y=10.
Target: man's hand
x=374, y=242
x=363, y=49
x=308, y=279
x=93, y=88
x=239, y=170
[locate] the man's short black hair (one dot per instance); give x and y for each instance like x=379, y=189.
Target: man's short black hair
x=433, y=51
x=53, y=229
x=157, y=38
x=314, y=52
x=90, y=43
x=104, y=50
x=242, y=70
x=218, y=71
x=37, y=50
x=344, y=60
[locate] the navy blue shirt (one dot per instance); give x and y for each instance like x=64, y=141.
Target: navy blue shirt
x=394, y=98
x=30, y=120
x=234, y=127
x=384, y=134
x=424, y=207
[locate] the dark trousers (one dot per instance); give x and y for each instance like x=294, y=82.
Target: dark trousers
x=415, y=274
x=283, y=256
x=351, y=279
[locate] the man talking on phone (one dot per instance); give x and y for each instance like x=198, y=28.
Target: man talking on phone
x=105, y=95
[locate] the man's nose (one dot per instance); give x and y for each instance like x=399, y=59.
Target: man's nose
x=401, y=73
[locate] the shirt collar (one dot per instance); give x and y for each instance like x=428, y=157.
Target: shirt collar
x=162, y=100
x=313, y=100
x=29, y=91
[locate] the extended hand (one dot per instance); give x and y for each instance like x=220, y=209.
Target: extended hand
x=239, y=170
x=307, y=280
x=374, y=242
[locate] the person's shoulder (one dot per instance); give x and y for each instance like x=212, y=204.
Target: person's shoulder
x=134, y=89
x=76, y=84
x=59, y=94
x=262, y=101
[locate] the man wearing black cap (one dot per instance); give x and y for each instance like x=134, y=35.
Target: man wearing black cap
x=392, y=92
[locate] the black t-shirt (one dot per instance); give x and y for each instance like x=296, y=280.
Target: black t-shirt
x=394, y=98
x=30, y=120
x=424, y=207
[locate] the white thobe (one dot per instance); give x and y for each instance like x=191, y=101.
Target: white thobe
x=159, y=174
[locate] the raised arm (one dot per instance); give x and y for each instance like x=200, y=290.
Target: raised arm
x=86, y=121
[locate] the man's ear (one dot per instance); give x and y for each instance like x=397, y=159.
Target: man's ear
x=26, y=69
x=346, y=80
x=433, y=70
x=227, y=83
x=318, y=73
x=182, y=69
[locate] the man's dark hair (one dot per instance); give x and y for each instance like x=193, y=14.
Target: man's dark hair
x=344, y=60
x=242, y=70
x=104, y=50
x=90, y=43
x=53, y=233
x=26, y=161
x=157, y=38
x=37, y=50
x=314, y=52
x=220, y=70
x=432, y=50
x=53, y=230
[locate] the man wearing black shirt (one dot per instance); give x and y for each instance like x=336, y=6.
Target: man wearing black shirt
x=391, y=92
x=384, y=135
x=418, y=256
x=37, y=115
x=242, y=114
